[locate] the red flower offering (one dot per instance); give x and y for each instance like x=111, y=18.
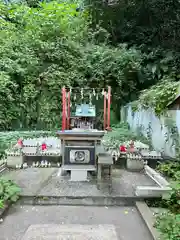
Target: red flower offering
x=43, y=146
x=122, y=148
x=20, y=142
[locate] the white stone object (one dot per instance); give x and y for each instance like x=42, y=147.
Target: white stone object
x=78, y=175
x=42, y=163
x=25, y=165
x=151, y=191
x=155, y=176
x=135, y=164
x=13, y=161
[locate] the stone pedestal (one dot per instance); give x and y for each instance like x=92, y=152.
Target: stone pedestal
x=78, y=172
x=14, y=160
x=135, y=164
x=104, y=174
x=78, y=175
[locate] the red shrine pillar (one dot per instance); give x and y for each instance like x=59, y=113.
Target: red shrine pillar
x=109, y=108
x=63, y=108
x=105, y=110
x=68, y=110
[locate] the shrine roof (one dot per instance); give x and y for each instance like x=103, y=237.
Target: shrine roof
x=85, y=110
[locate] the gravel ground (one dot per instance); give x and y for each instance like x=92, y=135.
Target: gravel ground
x=127, y=222
x=48, y=182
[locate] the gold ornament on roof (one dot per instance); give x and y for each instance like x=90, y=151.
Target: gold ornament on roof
x=90, y=99
x=82, y=95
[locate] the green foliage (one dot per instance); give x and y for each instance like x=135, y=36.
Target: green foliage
x=45, y=48
x=9, y=192
x=169, y=226
x=173, y=202
x=158, y=96
x=120, y=134
x=169, y=222
x=151, y=26
x=144, y=23
x=37, y=58
x=170, y=169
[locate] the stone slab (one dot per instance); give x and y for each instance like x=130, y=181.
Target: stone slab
x=127, y=221
x=148, y=218
x=152, y=191
x=50, y=141
x=79, y=175
x=135, y=164
x=49, y=182
x=161, y=181
x=79, y=167
x=30, y=151
x=70, y=232
x=124, y=183
x=12, y=161
x=30, y=180
x=2, y=168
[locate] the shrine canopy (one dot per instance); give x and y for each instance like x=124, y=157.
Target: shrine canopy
x=85, y=110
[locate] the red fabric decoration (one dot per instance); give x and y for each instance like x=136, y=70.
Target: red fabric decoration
x=20, y=142
x=122, y=148
x=43, y=146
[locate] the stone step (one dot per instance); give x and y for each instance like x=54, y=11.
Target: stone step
x=79, y=200
x=153, y=191
x=2, y=167
x=148, y=218
x=79, y=167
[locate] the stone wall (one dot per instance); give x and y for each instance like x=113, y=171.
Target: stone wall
x=150, y=125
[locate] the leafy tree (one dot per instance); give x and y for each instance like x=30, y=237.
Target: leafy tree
x=45, y=48
x=151, y=26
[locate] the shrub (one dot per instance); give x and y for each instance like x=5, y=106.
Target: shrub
x=9, y=192
x=169, y=226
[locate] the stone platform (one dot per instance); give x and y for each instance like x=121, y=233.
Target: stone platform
x=48, y=182
x=69, y=211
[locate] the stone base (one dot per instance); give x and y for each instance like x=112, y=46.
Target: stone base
x=78, y=175
x=73, y=232
x=135, y=164
x=78, y=172
x=150, y=191
x=13, y=161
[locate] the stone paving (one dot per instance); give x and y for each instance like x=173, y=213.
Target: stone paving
x=73, y=232
x=49, y=182
x=31, y=179
x=125, y=222
x=73, y=222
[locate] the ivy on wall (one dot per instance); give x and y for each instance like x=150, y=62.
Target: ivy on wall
x=158, y=96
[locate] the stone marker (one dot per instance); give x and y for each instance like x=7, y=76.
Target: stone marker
x=70, y=232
